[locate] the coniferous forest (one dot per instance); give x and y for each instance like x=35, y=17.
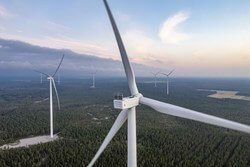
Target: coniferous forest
x=86, y=116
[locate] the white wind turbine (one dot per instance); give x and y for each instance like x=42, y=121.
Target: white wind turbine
x=167, y=75
x=128, y=108
x=155, y=76
x=93, y=80
x=41, y=78
x=52, y=82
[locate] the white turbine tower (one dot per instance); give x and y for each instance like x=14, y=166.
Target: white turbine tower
x=167, y=75
x=41, y=78
x=52, y=82
x=155, y=77
x=93, y=81
x=128, y=108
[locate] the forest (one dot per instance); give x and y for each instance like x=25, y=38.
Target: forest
x=86, y=116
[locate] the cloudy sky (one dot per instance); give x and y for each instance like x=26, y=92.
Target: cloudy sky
x=198, y=38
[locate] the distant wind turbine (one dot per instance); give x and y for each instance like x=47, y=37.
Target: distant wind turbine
x=52, y=82
x=128, y=106
x=167, y=75
x=155, y=76
x=41, y=78
x=93, y=80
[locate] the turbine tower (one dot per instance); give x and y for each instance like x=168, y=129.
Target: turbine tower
x=128, y=105
x=93, y=81
x=41, y=78
x=155, y=76
x=51, y=85
x=167, y=75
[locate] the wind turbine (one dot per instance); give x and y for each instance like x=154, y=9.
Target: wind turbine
x=155, y=76
x=93, y=80
x=52, y=82
x=128, y=108
x=41, y=78
x=167, y=75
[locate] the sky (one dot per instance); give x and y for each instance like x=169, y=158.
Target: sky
x=197, y=38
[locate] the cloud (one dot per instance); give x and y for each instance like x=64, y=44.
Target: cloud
x=4, y=13
x=19, y=56
x=141, y=48
x=139, y=41
x=62, y=42
x=168, y=31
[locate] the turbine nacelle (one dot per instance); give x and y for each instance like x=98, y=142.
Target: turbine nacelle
x=127, y=102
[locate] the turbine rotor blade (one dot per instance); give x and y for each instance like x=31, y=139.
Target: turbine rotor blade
x=156, y=73
x=126, y=64
x=171, y=72
x=168, y=73
x=57, y=97
x=122, y=117
x=164, y=74
x=58, y=66
x=41, y=73
x=181, y=112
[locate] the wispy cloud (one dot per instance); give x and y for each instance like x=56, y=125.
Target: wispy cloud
x=141, y=47
x=4, y=13
x=168, y=31
x=139, y=41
